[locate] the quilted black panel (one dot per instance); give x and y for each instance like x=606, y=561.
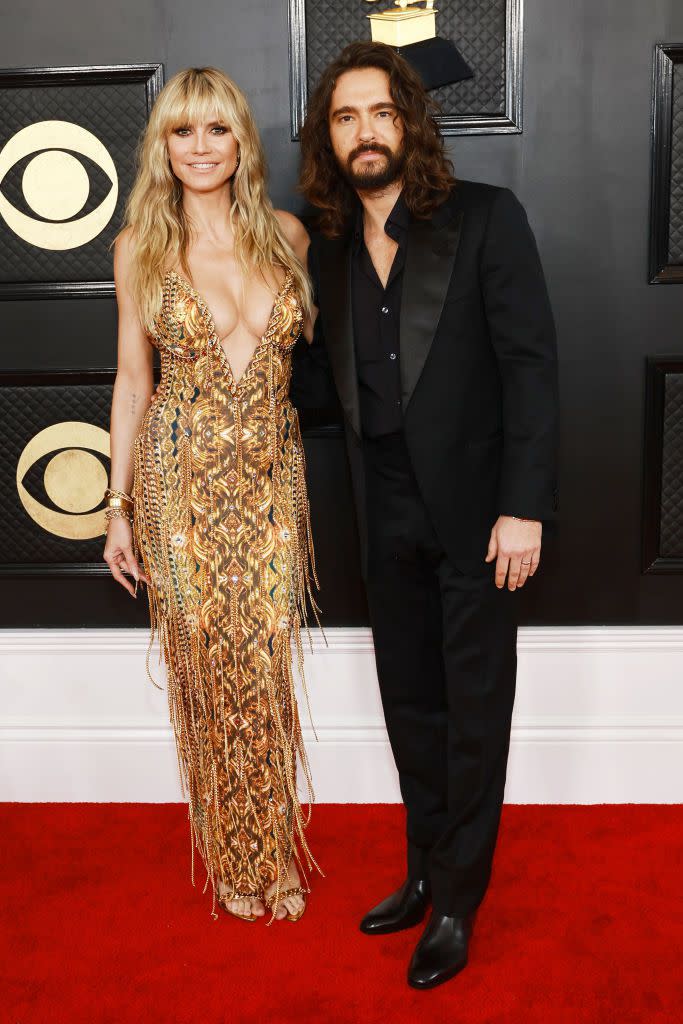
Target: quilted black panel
x=477, y=27
x=116, y=113
x=671, y=530
x=676, y=196
x=24, y=412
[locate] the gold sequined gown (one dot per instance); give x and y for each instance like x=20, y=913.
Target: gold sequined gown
x=222, y=527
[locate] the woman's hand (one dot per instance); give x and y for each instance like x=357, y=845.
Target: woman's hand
x=118, y=554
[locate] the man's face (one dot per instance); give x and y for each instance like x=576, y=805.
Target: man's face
x=365, y=129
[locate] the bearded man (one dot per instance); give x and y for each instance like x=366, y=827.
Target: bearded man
x=435, y=322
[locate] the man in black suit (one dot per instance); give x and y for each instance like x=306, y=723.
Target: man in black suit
x=435, y=323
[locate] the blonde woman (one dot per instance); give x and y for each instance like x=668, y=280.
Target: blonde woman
x=207, y=503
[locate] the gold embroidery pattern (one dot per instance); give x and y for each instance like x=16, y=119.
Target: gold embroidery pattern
x=222, y=525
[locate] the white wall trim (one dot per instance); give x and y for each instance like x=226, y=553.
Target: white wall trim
x=599, y=717
x=556, y=638
x=624, y=729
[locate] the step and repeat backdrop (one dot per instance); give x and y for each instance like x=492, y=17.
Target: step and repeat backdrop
x=68, y=138
x=67, y=162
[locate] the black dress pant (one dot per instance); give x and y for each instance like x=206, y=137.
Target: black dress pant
x=445, y=648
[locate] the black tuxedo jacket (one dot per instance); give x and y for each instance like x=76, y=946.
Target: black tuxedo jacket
x=478, y=366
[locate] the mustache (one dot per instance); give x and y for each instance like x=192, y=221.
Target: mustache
x=367, y=147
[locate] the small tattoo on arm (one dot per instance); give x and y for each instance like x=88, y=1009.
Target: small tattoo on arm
x=133, y=403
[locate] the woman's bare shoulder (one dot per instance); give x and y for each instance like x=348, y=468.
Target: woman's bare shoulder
x=123, y=247
x=294, y=231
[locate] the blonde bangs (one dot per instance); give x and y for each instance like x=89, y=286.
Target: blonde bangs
x=160, y=231
x=198, y=102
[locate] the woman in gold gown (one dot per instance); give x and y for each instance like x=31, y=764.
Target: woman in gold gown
x=208, y=500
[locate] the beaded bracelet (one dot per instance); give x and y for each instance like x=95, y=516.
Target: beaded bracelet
x=117, y=498
x=118, y=513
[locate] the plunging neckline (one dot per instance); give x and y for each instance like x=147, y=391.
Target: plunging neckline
x=205, y=310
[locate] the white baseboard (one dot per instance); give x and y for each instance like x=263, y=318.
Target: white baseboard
x=598, y=718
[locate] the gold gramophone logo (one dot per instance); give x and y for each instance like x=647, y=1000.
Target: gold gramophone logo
x=74, y=479
x=405, y=26
x=56, y=185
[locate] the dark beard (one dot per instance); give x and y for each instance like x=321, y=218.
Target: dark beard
x=371, y=179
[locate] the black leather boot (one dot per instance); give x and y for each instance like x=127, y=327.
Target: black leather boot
x=441, y=953
x=403, y=909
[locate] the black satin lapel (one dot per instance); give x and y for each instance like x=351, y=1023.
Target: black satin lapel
x=335, y=310
x=430, y=258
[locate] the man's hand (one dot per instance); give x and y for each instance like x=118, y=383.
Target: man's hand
x=516, y=543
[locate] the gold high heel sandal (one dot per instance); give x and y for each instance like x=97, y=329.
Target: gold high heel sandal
x=224, y=898
x=296, y=890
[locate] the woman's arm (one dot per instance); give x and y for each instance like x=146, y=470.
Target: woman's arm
x=311, y=386
x=298, y=237
x=132, y=394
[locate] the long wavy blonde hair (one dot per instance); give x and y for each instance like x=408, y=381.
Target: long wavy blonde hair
x=161, y=232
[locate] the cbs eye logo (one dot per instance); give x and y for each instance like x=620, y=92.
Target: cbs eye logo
x=56, y=186
x=74, y=479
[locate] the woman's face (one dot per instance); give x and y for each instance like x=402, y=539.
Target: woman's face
x=203, y=156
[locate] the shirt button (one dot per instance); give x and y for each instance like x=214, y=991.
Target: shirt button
x=385, y=310
x=392, y=355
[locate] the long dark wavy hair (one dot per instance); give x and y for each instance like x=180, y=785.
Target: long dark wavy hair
x=428, y=175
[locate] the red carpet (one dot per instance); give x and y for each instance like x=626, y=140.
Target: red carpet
x=583, y=923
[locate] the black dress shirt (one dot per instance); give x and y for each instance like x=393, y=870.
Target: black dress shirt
x=376, y=327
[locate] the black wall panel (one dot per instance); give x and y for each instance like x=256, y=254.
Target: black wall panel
x=582, y=168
